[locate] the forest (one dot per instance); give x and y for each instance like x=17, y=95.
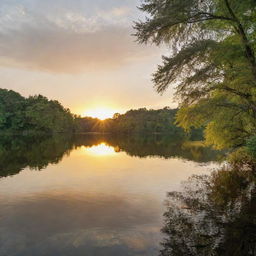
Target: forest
x=151, y=121
x=37, y=114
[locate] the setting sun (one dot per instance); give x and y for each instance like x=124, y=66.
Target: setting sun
x=101, y=113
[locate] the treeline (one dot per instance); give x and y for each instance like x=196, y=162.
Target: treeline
x=39, y=114
x=133, y=121
x=35, y=113
x=144, y=121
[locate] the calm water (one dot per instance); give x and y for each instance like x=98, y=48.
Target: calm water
x=90, y=195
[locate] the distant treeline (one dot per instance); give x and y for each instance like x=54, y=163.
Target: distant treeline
x=135, y=121
x=161, y=121
x=38, y=114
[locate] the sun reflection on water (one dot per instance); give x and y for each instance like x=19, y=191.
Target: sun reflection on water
x=102, y=149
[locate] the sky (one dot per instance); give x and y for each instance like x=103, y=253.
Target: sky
x=79, y=52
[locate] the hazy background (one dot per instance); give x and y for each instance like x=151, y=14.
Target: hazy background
x=79, y=52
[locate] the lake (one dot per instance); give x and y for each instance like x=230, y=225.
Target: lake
x=91, y=194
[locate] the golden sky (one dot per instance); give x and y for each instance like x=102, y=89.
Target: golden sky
x=79, y=52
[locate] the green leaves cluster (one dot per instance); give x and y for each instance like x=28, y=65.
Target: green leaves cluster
x=147, y=121
x=37, y=113
x=212, y=63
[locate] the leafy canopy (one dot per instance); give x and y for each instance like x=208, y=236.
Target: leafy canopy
x=211, y=64
x=36, y=113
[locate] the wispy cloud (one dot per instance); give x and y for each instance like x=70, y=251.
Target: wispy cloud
x=65, y=38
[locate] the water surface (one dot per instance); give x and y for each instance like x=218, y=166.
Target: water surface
x=90, y=195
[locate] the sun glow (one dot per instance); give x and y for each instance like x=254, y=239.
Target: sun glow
x=100, y=150
x=101, y=113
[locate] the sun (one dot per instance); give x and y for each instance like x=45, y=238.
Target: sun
x=101, y=113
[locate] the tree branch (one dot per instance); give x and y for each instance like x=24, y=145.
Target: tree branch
x=240, y=30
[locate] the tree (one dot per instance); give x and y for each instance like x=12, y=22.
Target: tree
x=37, y=113
x=212, y=63
x=12, y=106
x=47, y=115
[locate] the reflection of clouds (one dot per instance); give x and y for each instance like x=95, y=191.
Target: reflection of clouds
x=73, y=223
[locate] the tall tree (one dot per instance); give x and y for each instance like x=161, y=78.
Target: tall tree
x=212, y=63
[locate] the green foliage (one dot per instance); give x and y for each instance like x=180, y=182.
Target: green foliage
x=19, y=114
x=45, y=115
x=37, y=114
x=212, y=63
x=251, y=145
x=137, y=121
x=147, y=121
x=90, y=124
x=12, y=107
x=242, y=159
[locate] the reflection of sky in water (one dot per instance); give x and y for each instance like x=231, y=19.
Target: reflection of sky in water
x=91, y=203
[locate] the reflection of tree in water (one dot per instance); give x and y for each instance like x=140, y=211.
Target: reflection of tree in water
x=157, y=145
x=213, y=215
x=36, y=152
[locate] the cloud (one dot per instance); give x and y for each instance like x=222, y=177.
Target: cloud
x=67, y=41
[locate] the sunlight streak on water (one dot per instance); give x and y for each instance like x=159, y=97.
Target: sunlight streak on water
x=100, y=150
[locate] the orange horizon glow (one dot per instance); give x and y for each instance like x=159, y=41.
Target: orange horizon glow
x=101, y=113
